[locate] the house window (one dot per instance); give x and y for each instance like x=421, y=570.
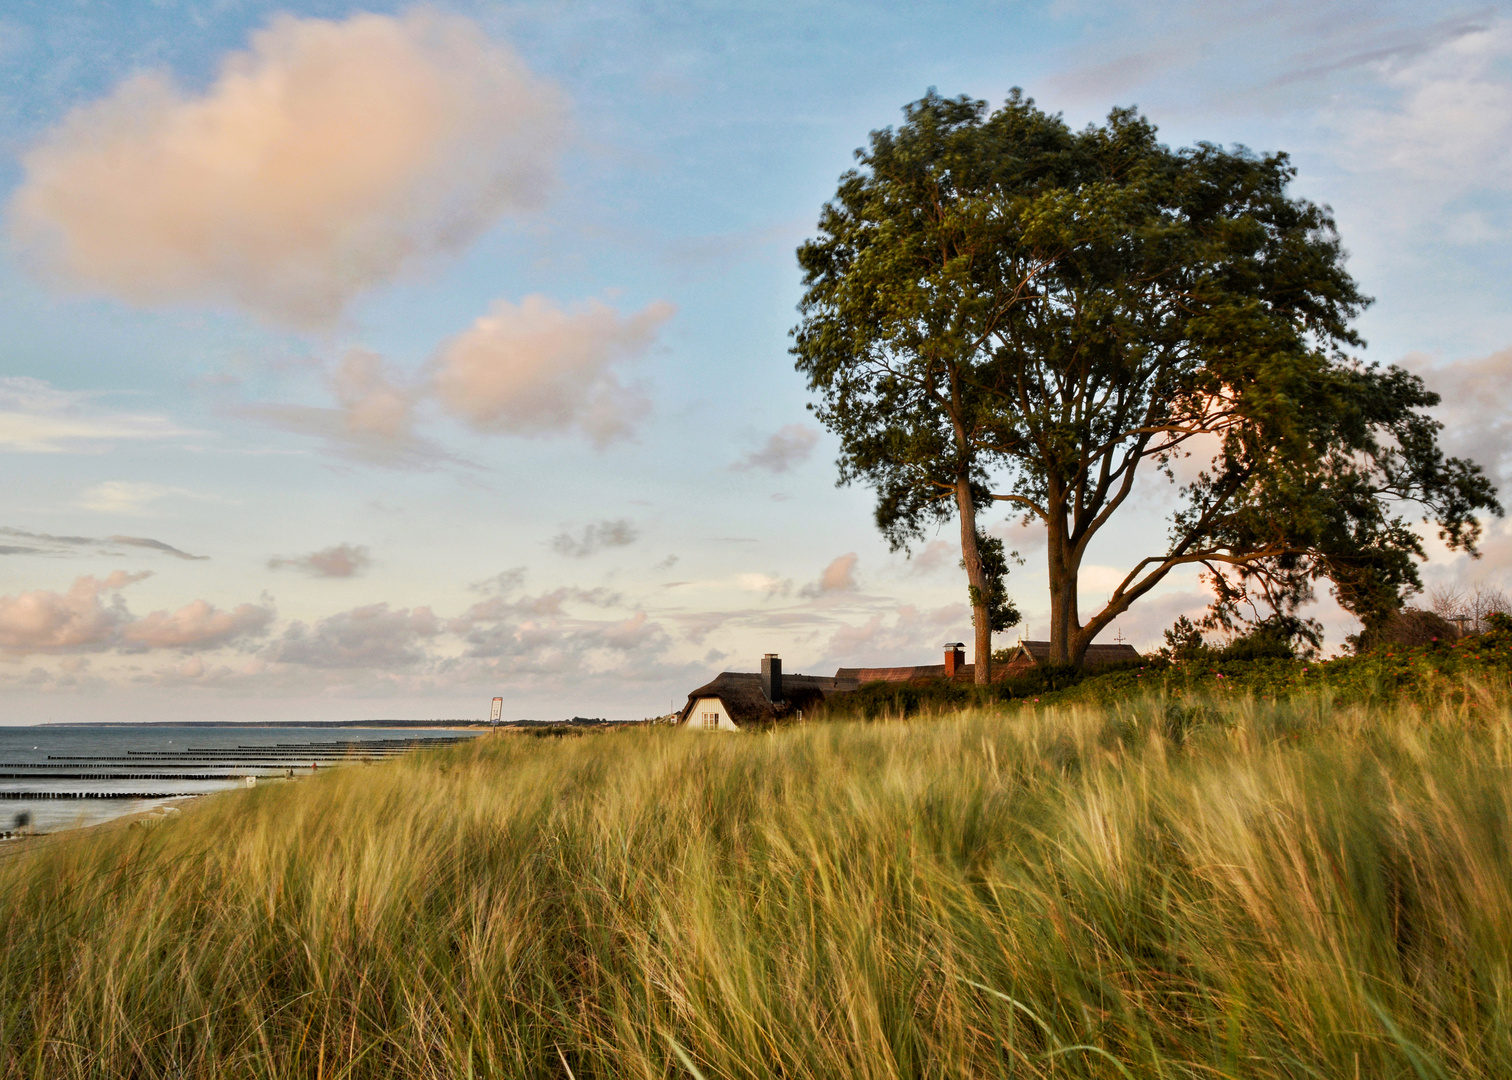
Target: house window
x=711, y=719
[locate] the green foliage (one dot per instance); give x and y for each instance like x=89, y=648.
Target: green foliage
x=1205, y=886
x=1002, y=613
x=1001, y=308
x=1456, y=671
x=1184, y=641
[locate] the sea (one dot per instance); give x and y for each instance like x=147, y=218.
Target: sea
x=55, y=777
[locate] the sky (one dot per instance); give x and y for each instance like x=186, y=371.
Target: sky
x=372, y=360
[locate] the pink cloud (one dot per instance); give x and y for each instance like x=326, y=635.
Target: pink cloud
x=373, y=403
x=320, y=162
x=533, y=368
x=196, y=625
x=92, y=617
x=41, y=621
x=838, y=577
x=337, y=561
x=785, y=450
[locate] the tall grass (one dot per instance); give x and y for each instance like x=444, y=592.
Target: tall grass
x=1152, y=890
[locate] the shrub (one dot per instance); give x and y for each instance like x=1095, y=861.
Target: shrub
x=1407, y=627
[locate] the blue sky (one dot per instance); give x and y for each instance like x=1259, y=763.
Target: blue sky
x=450, y=341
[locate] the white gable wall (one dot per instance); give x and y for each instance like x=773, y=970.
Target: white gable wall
x=709, y=714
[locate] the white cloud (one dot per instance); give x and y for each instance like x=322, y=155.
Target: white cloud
x=337, y=561
x=37, y=418
x=787, y=449
x=125, y=497
x=535, y=369
x=1436, y=127
x=769, y=585
x=321, y=161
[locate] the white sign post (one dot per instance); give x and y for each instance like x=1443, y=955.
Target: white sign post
x=498, y=710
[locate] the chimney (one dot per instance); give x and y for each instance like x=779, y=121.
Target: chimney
x=955, y=658
x=771, y=677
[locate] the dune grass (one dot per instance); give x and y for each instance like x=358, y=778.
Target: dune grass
x=1157, y=889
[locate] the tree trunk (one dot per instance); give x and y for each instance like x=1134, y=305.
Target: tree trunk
x=981, y=620
x=1064, y=623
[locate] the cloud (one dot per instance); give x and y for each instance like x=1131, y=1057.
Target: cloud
x=595, y=538
x=787, y=449
x=1146, y=621
x=838, y=577
x=1018, y=536
x=1493, y=568
x=910, y=636
x=373, y=403
x=338, y=561
x=44, y=621
x=350, y=442
x=940, y=555
x=535, y=369
x=92, y=617
x=769, y=585
x=196, y=625
x=1397, y=45
x=538, y=634
x=1437, y=129
x=319, y=163
x=1477, y=422
x=155, y=545
x=46, y=544
x=373, y=636
x=505, y=581
x=124, y=497
x=936, y=555
x=37, y=418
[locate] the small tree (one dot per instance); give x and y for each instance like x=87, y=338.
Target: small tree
x=1184, y=641
x=1002, y=309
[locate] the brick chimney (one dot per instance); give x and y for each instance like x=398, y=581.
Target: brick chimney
x=955, y=658
x=771, y=677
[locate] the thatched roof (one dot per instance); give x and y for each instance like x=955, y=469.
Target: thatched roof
x=896, y=674
x=1038, y=652
x=741, y=694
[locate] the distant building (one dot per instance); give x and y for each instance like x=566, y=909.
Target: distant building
x=738, y=699
x=954, y=667
x=1031, y=654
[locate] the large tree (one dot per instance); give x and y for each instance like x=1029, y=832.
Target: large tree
x=1002, y=309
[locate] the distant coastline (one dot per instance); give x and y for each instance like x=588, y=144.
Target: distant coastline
x=576, y=721
x=265, y=723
